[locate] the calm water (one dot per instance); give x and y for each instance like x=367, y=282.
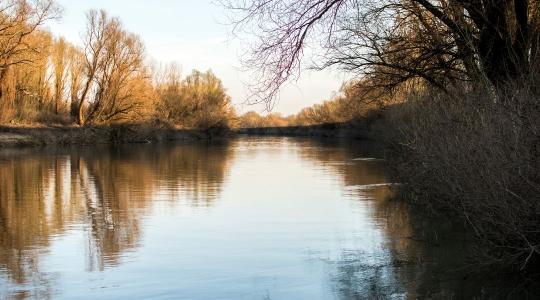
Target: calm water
x=252, y=218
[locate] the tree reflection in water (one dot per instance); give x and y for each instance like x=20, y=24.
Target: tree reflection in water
x=107, y=191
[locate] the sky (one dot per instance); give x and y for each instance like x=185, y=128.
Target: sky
x=193, y=34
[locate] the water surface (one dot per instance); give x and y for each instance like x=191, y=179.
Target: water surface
x=251, y=218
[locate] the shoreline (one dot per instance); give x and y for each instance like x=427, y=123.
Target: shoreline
x=328, y=130
x=42, y=135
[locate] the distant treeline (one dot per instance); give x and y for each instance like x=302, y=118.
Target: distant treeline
x=46, y=79
x=356, y=101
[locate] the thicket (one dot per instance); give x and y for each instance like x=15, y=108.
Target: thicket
x=46, y=79
x=468, y=155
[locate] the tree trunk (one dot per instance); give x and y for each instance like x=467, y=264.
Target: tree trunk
x=80, y=118
x=503, y=58
x=80, y=115
x=74, y=107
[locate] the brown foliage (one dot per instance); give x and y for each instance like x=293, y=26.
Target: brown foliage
x=197, y=101
x=48, y=80
x=113, y=68
x=19, y=22
x=252, y=119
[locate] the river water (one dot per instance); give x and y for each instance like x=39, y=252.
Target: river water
x=249, y=218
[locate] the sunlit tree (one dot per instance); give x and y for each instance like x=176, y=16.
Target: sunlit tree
x=197, y=101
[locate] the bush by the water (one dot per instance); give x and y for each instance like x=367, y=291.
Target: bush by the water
x=476, y=157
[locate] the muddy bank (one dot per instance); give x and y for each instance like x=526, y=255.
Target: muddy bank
x=25, y=136
x=334, y=130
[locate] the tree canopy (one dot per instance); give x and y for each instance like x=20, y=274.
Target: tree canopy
x=391, y=41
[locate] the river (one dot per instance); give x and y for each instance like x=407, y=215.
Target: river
x=248, y=218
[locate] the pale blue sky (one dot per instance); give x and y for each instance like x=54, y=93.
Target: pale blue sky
x=191, y=33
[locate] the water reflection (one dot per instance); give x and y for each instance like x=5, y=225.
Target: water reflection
x=255, y=218
x=423, y=256
x=104, y=191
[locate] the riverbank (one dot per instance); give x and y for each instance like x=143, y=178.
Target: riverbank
x=330, y=130
x=43, y=135
x=39, y=135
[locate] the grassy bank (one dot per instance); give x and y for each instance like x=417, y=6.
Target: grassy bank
x=39, y=135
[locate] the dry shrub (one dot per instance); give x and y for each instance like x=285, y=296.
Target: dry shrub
x=50, y=118
x=6, y=112
x=198, y=101
x=476, y=158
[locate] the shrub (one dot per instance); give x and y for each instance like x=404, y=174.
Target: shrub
x=198, y=101
x=475, y=157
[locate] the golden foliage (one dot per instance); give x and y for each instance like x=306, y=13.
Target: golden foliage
x=197, y=101
x=49, y=80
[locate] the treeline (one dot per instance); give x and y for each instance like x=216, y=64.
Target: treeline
x=355, y=102
x=46, y=79
x=458, y=86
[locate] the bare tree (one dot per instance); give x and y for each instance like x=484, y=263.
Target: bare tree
x=60, y=65
x=113, y=58
x=76, y=70
x=197, y=101
x=94, y=50
x=18, y=20
x=393, y=41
